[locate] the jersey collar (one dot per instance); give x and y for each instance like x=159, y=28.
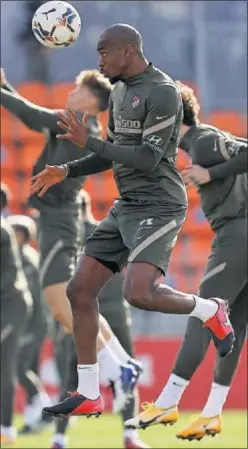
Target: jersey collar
x=137, y=78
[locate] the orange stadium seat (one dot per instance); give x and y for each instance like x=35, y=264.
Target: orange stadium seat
x=190, y=251
x=9, y=156
x=7, y=126
x=232, y=122
x=193, y=197
x=27, y=136
x=59, y=93
x=182, y=160
x=196, y=223
x=35, y=92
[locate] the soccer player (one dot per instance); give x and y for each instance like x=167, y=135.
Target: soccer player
x=145, y=116
x=114, y=309
x=36, y=328
x=60, y=215
x=219, y=171
x=16, y=305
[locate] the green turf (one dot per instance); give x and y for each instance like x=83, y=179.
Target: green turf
x=106, y=432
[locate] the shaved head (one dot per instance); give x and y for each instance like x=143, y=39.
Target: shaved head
x=122, y=34
x=120, y=49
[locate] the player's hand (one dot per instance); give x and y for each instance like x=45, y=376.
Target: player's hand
x=74, y=130
x=47, y=178
x=195, y=175
x=3, y=78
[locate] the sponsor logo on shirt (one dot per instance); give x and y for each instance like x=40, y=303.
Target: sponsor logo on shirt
x=127, y=126
x=156, y=140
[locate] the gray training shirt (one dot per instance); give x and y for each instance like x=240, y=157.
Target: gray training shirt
x=225, y=156
x=145, y=115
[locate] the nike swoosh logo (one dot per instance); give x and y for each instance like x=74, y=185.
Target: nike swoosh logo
x=160, y=118
x=152, y=420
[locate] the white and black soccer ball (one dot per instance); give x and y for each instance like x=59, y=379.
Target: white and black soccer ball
x=56, y=24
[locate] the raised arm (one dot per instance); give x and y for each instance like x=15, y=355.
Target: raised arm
x=162, y=107
x=33, y=116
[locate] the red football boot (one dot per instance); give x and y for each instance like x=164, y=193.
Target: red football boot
x=221, y=329
x=76, y=405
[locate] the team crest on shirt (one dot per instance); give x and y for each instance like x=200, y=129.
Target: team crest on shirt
x=135, y=101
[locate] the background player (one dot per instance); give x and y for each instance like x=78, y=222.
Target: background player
x=143, y=225
x=36, y=328
x=223, y=195
x=16, y=305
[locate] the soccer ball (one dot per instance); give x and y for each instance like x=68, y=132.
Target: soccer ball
x=56, y=24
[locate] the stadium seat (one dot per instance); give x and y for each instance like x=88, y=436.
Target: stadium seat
x=7, y=126
x=36, y=92
x=182, y=160
x=8, y=156
x=196, y=224
x=59, y=93
x=27, y=136
x=232, y=122
x=191, y=250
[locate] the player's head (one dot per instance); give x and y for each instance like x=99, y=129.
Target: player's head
x=91, y=93
x=118, y=47
x=191, y=106
x=85, y=203
x=24, y=227
x=5, y=196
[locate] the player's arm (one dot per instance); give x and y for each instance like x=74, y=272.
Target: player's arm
x=89, y=165
x=222, y=156
x=235, y=164
x=33, y=116
x=162, y=107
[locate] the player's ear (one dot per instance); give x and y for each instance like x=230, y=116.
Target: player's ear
x=128, y=50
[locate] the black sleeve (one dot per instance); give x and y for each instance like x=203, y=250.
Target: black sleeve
x=223, y=155
x=213, y=149
x=237, y=165
x=89, y=165
x=34, y=117
x=162, y=106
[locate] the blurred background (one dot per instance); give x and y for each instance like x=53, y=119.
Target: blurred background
x=202, y=43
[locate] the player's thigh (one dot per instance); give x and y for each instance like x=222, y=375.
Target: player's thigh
x=106, y=243
x=226, y=271
x=155, y=240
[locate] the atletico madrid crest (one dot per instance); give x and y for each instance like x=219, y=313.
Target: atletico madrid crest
x=135, y=101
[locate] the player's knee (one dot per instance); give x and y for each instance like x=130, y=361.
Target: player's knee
x=137, y=295
x=78, y=293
